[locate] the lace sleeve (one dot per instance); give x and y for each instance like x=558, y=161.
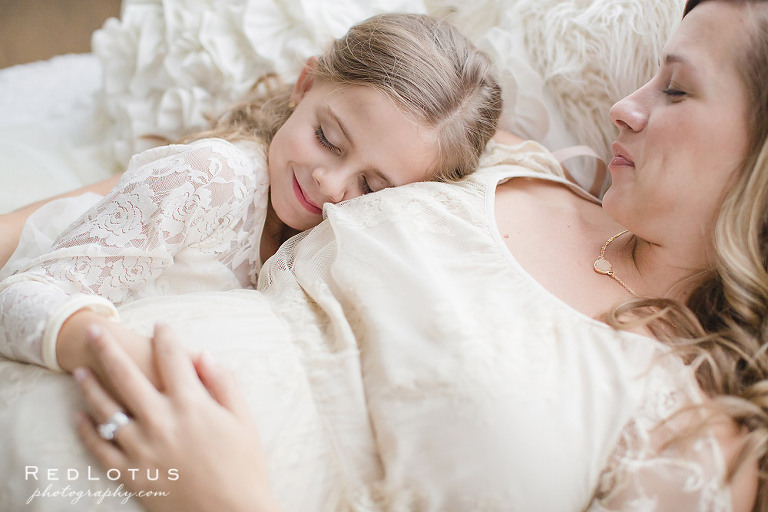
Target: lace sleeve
x=652, y=470
x=169, y=199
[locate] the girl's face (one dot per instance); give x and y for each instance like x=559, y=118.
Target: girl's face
x=683, y=135
x=342, y=142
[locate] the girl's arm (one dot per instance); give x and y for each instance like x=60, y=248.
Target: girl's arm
x=11, y=224
x=74, y=351
x=173, y=198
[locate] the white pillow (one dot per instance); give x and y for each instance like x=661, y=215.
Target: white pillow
x=571, y=59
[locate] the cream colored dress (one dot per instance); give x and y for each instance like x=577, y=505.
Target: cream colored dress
x=399, y=359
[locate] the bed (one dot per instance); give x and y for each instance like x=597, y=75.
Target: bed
x=167, y=65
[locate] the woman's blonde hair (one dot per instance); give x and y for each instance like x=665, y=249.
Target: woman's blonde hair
x=723, y=327
x=425, y=65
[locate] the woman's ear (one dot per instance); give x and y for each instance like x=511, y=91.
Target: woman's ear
x=305, y=81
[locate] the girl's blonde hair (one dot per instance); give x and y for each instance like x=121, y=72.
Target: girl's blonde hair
x=426, y=66
x=723, y=327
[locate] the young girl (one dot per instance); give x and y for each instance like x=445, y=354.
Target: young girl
x=400, y=98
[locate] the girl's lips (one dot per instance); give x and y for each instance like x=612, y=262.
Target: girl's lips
x=306, y=203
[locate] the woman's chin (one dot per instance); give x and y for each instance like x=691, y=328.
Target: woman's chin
x=614, y=205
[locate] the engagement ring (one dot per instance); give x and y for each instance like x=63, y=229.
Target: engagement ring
x=109, y=428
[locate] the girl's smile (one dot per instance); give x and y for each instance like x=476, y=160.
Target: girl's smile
x=303, y=199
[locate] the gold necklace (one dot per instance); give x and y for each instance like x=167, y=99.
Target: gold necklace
x=603, y=266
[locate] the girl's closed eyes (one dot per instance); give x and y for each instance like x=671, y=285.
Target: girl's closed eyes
x=323, y=140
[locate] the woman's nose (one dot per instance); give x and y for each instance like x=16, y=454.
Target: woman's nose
x=331, y=183
x=631, y=112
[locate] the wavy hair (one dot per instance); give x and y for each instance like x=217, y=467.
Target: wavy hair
x=425, y=65
x=723, y=326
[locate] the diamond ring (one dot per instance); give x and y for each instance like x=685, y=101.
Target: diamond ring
x=109, y=428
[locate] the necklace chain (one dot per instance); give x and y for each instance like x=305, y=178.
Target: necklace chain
x=604, y=267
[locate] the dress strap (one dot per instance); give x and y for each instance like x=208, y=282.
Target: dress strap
x=527, y=159
x=601, y=170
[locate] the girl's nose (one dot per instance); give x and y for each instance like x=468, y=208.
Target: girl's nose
x=332, y=184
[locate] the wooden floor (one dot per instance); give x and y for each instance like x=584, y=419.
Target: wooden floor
x=39, y=29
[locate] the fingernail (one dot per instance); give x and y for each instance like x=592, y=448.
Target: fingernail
x=80, y=374
x=94, y=332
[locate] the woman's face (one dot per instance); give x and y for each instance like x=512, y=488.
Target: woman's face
x=342, y=142
x=683, y=135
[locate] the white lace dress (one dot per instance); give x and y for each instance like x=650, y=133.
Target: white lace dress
x=182, y=218
x=399, y=359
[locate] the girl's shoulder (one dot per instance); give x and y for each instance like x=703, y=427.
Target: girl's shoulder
x=247, y=153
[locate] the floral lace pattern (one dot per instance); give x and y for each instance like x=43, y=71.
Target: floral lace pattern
x=183, y=218
x=649, y=470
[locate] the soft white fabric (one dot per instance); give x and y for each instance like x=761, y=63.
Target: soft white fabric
x=183, y=218
x=44, y=226
x=36, y=408
x=51, y=130
x=400, y=359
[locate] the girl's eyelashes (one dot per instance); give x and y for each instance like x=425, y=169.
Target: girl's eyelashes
x=324, y=141
x=364, y=185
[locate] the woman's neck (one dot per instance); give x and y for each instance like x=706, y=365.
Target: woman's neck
x=657, y=270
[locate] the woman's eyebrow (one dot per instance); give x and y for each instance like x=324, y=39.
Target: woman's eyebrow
x=674, y=58
x=690, y=68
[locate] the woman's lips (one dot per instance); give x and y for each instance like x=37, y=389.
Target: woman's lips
x=620, y=161
x=306, y=203
x=619, y=158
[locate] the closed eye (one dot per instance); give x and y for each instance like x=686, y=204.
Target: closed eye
x=673, y=92
x=320, y=135
x=365, y=186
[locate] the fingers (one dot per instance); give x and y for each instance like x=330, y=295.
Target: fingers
x=121, y=374
x=101, y=405
x=221, y=385
x=177, y=374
